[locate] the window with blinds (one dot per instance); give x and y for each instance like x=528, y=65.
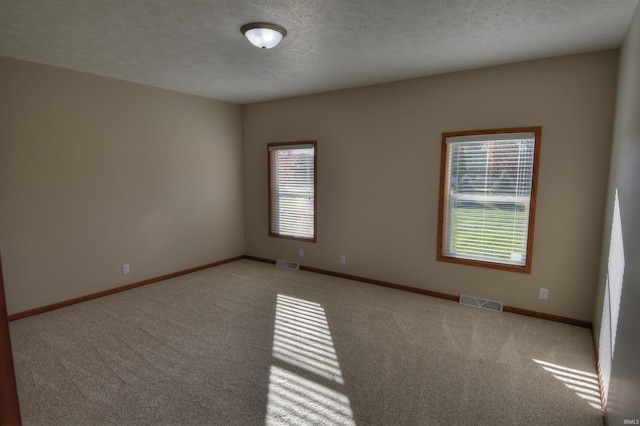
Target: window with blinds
x=292, y=190
x=487, y=197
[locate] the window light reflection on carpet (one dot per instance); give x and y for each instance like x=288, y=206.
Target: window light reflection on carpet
x=302, y=340
x=583, y=383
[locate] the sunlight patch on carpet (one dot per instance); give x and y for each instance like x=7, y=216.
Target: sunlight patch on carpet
x=302, y=339
x=295, y=400
x=583, y=383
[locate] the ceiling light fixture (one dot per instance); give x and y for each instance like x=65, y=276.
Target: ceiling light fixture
x=263, y=35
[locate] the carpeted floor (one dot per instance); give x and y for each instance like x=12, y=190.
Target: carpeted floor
x=247, y=343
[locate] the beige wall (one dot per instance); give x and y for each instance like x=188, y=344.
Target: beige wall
x=617, y=318
x=96, y=173
x=379, y=165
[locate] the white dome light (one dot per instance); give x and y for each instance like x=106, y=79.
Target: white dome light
x=263, y=35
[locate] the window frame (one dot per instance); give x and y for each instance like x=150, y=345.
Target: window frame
x=443, y=201
x=302, y=145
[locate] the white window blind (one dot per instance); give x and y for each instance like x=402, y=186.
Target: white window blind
x=487, y=197
x=292, y=190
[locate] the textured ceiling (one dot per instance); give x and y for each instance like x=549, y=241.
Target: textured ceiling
x=195, y=46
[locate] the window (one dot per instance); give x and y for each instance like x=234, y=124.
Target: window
x=488, y=182
x=292, y=190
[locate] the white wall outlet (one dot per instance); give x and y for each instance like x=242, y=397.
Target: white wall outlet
x=544, y=293
x=125, y=269
x=300, y=252
x=343, y=259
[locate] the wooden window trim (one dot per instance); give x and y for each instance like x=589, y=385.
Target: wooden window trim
x=315, y=190
x=443, y=198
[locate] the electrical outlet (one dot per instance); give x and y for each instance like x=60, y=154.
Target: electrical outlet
x=300, y=252
x=125, y=269
x=343, y=259
x=544, y=293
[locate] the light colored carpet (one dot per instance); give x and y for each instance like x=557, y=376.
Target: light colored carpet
x=247, y=343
